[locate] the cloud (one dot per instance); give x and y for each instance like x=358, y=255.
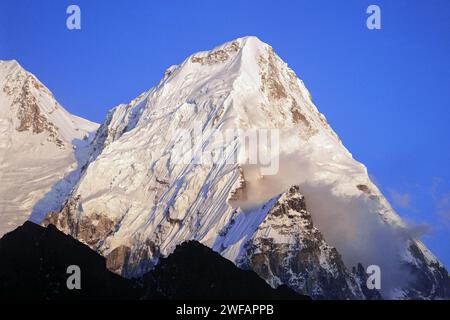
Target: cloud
x=443, y=205
x=441, y=201
x=444, y=201
x=445, y=215
x=400, y=200
x=435, y=186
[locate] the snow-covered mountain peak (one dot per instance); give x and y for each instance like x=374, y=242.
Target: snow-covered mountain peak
x=32, y=108
x=148, y=188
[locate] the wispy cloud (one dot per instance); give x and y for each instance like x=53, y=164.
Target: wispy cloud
x=445, y=215
x=444, y=201
x=435, y=187
x=441, y=201
x=443, y=205
x=399, y=199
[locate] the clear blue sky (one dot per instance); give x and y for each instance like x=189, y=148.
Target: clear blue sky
x=385, y=92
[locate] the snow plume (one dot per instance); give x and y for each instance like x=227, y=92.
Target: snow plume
x=352, y=225
x=361, y=225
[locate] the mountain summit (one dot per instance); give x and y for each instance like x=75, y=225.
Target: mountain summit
x=309, y=217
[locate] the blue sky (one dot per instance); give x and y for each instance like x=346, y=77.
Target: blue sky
x=385, y=92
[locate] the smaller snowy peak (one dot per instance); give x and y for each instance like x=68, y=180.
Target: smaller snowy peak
x=33, y=109
x=42, y=147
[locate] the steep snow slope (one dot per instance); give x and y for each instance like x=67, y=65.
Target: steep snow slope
x=40, y=142
x=144, y=192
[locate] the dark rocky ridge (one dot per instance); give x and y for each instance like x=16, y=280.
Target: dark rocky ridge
x=33, y=264
x=194, y=271
x=34, y=260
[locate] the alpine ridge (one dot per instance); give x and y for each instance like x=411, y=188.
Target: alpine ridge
x=314, y=225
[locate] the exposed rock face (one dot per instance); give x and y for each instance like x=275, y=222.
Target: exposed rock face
x=271, y=84
x=216, y=56
x=287, y=249
x=89, y=229
x=240, y=192
x=117, y=259
x=67, y=221
x=30, y=118
x=299, y=118
x=429, y=280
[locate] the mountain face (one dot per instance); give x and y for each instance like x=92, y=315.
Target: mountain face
x=40, y=143
x=34, y=262
x=168, y=167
